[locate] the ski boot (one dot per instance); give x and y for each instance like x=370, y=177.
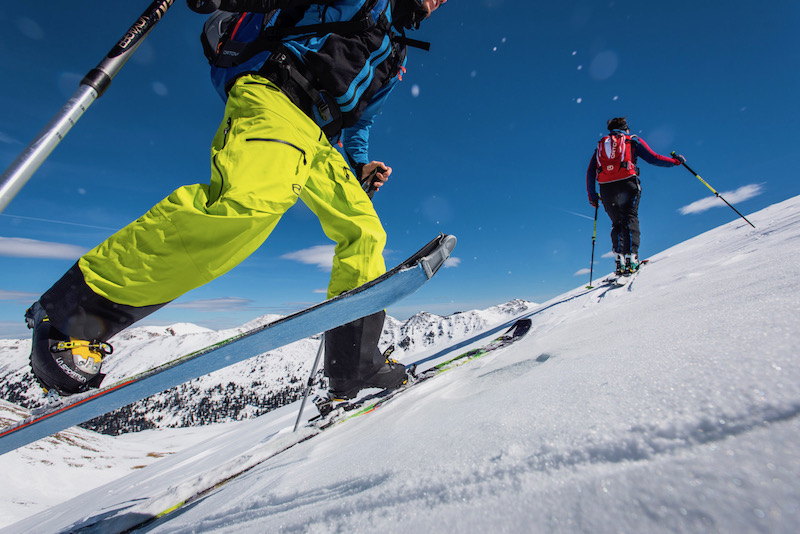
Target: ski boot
x=620, y=265
x=390, y=376
x=632, y=264
x=61, y=363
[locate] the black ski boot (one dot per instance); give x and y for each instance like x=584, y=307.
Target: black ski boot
x=392, y=374
x=353, y=361
x=59, y=362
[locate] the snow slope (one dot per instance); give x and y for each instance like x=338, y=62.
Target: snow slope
x=75, y=461
x=669, y=405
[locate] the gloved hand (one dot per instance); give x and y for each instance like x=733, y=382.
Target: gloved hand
x=679, y=160
x=373, y=175
x=204, y=7
x=234, y=6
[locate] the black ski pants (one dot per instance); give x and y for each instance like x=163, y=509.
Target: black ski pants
x=621, y=202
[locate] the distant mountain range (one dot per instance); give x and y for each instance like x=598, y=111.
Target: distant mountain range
x=244, y=390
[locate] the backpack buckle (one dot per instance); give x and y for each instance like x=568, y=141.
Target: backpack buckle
x=366, y=22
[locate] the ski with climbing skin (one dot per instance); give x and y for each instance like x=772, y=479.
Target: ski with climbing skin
x=623, y=280
x=333, y=412
x=369, y=298
x=338, y=414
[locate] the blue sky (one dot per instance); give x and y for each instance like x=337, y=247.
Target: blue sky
x=489, y=136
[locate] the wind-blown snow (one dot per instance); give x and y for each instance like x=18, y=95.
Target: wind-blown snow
x=670, y=405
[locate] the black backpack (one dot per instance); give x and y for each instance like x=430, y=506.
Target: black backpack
x=235, y=43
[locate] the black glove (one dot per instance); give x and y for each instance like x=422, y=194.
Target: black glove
x=408, y=14
x=234, y=6
x=204, y=6
x=679, y=160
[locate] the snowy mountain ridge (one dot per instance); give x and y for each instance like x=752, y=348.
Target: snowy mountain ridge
x=248, y=389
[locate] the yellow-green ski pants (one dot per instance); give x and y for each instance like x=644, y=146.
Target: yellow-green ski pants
x=265, y=155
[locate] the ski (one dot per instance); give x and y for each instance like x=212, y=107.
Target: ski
x=371, y=297
x=150, y=510
x=623, y=280
x=333, y=412
x=336, y=415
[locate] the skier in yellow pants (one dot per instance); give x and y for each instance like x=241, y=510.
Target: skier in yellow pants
x=269, y=151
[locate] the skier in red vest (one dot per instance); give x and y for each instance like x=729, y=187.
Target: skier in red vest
x=613, y=166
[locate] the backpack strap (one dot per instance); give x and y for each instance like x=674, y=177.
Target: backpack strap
x=361, y=22
x=358, y=24
x=407, y=41
x=320, y=106
x=344, y=27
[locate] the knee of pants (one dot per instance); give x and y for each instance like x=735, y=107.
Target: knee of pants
x=367, y=248
x=373, y=236
x=357, y=262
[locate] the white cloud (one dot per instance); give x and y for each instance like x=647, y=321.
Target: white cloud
x=320, y=255
x=219, y=304
x=81, y=191
x=30, y=248
x=8, y=140
x=743, y=193
x=452, y=261
x=17, y=295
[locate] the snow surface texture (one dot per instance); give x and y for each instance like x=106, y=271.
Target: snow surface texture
x=668, y=405
x=240, y=391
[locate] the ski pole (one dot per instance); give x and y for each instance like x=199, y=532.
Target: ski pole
x=594, y=240
x=369, y=186
x=91, y=88
x=712, y=190
x=310, y=382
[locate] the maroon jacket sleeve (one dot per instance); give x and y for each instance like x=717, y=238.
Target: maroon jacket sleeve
x=591, y=178
x=644, y=151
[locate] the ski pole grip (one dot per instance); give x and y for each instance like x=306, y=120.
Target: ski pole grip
x=674, y=155
x=369, y=185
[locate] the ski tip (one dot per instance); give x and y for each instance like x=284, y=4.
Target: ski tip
x=521, y=327
x=434, y=261
x=448, y=242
